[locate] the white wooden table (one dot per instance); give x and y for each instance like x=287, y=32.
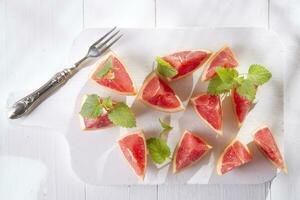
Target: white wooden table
x=36, y=36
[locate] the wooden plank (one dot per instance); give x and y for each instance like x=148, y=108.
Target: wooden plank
x=207, y=192
x=107, y=192
x=25, y=149
x=121, y=192
x=36, y=38
x=34, y=42
x=134, y=13
x=138, y=192
x=212, y=13
x=284, y=20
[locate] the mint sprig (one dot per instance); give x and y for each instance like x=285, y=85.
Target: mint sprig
x=157, y=146
x=246, y=84
x=119, y=114
x=165, y=69
x=227, y=75
x=122, y=115
x=107, y=103
x=247, y=89
x=105, y=69
x=158, y=150
x=258, y=74
x=166, y=128
x=216, y=86
x=91, y=107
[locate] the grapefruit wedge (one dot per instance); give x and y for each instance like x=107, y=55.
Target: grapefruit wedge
x=223, y=58
x=235, y=155
x=186, y=62
x=190, y=149
x=133, y=147
x=100, y=122
x=266, y=143
x=158, y=94
x=241, y=106
x=209, y=109
x=112, y=74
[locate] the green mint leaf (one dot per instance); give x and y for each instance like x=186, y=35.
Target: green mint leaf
x=247, y=89
x=227, y=75
x=91, y=107
x=239, y=80
x=158, y=149
x=165, y=69
x=258, y=74
x=165, y=125
x=105, y=69
x=122, y=115
x=166, y=129
x=216, y=86
x=107, y=103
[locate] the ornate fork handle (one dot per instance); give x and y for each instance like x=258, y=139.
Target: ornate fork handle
x=28, y=103
x=31, y=101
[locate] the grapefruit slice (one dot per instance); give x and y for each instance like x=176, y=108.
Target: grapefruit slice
x=133, y=146
x=186, y=62
x=241, y=106
x=158, y=94
x=190, y=149
x=223, y=58
x=266, y=143
x=95, y=123
x=116, y=78
x=235, y=155
x=209, y=109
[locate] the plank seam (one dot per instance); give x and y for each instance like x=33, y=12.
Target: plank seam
x=83, y=15
x=269, y=2
x=157, y=192
x=155, y=13
x=85, y=194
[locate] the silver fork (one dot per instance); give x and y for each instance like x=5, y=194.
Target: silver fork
x=31, y=101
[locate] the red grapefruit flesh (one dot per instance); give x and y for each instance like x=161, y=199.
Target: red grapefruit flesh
x=235, y=155
x=265, y=141
x=97, y=123
x=134, y=150
x=223, y=58
x=190, y=149
x=117, y=79
x=186, y=62
x=209, y=109
x=241, y=106
x=158, y=94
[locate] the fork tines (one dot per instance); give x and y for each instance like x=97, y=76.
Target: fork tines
x=108, y=39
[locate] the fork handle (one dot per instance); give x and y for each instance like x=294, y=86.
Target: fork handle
x=31, y=101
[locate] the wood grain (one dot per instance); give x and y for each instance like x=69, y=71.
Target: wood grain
x=212, y=13
x=284, y=21
x=36, y=35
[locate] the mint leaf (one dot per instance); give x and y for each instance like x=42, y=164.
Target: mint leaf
x=166, y=128
x=158, y=150
x=122, y=115
x=247, y=89
x=258, y=74
x=91, y=107
x=227, y=75
x=165, y=69
x=107, y=103
x=105, y=69
x=165, y=125
x=216, y=86
x=239, y=80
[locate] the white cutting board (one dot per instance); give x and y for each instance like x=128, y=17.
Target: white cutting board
x=95, y=156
